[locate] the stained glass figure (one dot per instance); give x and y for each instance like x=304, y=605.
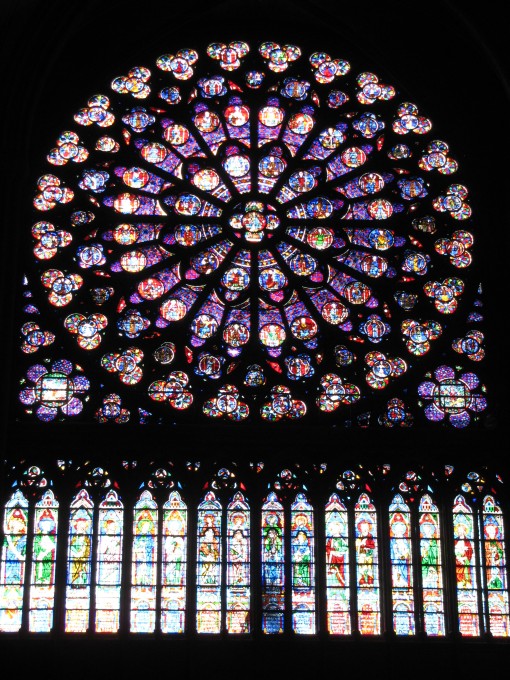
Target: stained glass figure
x=79, y=563
x=109, y=564
x=144, y=565
x=367, y=566
x=44, y=555
x=337, y=567
x=431, y=567
x=209, y=560
x=238, y=595
x=273, y=565
x=495, y=568
x=466, y=573
x=303, y=566
x=263, y=219
x=174, y=566
x=12, y=566
x=401, y=567
x=157, y=599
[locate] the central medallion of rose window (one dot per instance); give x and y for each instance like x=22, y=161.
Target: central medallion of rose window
x=254, y=220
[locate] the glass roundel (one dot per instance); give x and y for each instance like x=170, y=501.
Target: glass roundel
x=251, y=233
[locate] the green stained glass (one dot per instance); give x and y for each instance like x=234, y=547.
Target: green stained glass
x=273, y=561
x=303, y=566
x=431, y=567
x=44, y=555
x=12, y=565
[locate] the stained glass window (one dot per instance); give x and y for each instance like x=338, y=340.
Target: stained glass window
x=12, y=566
x=431, y=567
x=255, y=238
x=79, y=563
x=144, y=568
x=174, y=568
x=303, y=566
x=109, y=563
x=495, y=568
x=367, y=566
x=466, y=572
x=251, y=232
x=273, y=565
x=238, y=565
x=337, y=567
x=44, y=555
x=401, y=567
x=209, y=557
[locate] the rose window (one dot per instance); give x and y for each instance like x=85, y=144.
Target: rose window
x=251, y=233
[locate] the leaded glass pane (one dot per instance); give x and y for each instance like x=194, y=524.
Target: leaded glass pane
x=79, y=558
x=44, y=555
x=495, y=568
x=273, y=565
x=174, y=567
x=467, y=578
x=209, y=559
x=303, y=566
x=144, y=565
x=238, y=595
x=109, y=564
x=12, y=566
x=367, y=567
x=337, y=567
x=401, y=567
x=431, y=567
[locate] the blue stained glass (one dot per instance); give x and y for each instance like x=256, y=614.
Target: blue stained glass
x=273, y=560
x=303, y=566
